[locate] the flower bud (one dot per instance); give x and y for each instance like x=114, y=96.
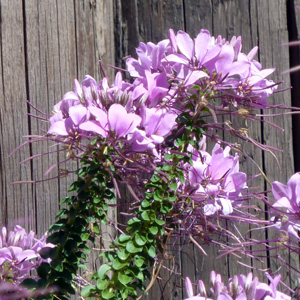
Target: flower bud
x=202, y=289
x=189, y=287
x=212, y=279
x=234, y=286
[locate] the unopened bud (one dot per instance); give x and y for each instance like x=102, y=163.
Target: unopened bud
x=212, y=279
x=189, y=287
x=202, y=289
x=235, y=285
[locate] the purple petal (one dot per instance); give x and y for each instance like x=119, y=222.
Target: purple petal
x=120, y=121
x=202, y=44
x=185, y=44
x=172, y=39
x=78, y=114
x=58, y=128
x=93, y=126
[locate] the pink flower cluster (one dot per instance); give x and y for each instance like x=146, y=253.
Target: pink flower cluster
x=239, y=287
x=214, y=181
x=287, y=206
x=19, y=253
x=167, y=77
x=216, y=65
x=110, y=112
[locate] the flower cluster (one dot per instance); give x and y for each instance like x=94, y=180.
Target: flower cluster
x=240, y=287
x=20, y=253
x=150, y=133
x=215, y=180
x=287, y=206
x=216, y=65
x=175, y=76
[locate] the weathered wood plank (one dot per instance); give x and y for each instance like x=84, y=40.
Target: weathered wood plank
x=272, y=28
x=17, y=205
x=46, y=44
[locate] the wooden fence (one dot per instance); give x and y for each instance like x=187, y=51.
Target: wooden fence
x=45, y=44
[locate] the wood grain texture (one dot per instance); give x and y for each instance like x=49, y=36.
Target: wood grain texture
x=45, y=44
x=17, y=204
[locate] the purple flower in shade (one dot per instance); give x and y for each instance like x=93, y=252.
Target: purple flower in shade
x=116, y=120
x=19, y=253
x=10, y=291
x=240, y=287
x=288, y=199
x=216, y=180
x=156, y=124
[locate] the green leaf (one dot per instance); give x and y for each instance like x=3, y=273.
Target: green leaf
x=173, y=186
x=102, y=270
x=96, y=229
x=87, y=290
x=153, y=230
x=145, y=203
x=102, y=284
x=140, y=240
x=131, y=248
x=140, y=276
x=155, y=178
x=106, y=294
x=85, y=236
x=145, y=216
x=159, y=222
x=30, y=283
x=124, y=238
x=133, y=220
x=124, y=279
x=151, y=251
x=82, y=266
x=43, y=270
x=122, y=254
x=167, y=167
x=117, y=265
x=139, y=261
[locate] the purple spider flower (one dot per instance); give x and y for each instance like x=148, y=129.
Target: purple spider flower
x=216, y=180
x=205, y=61
x=157, y=124
x=116, y=119
x=240, y=287
x=288, y=199
x=19, y=253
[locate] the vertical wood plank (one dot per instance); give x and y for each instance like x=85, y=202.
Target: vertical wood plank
x=16, y=201
x=272, y=28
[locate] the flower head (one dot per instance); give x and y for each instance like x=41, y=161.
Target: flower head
x=19, y=253
x=288, y=200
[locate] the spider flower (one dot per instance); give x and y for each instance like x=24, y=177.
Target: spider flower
x=288, y=201
x=19, y=253
x=206, y=61
x=240, y=287
x=215, y=181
